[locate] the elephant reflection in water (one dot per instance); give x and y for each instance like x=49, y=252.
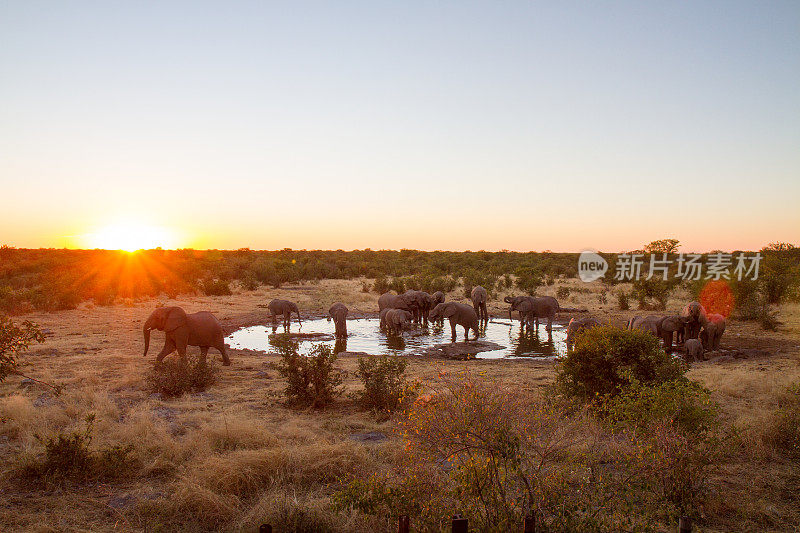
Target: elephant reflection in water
x=529, y=341
x=341, y=345
x=395, y=342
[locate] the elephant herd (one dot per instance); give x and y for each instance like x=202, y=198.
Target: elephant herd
x=397, y=313
x=696, y=329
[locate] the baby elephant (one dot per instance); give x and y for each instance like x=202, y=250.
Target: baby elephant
x=338, y=312
x=396, y=320
x=285, y=308
x=712, y=331
x=694, y=349
x=577, y=325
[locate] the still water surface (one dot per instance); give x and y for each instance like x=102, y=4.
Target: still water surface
x=364, y=335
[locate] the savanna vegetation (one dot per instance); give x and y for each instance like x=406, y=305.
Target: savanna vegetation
x=616, y=437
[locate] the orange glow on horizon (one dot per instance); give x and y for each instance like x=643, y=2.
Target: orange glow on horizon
x=131, y=236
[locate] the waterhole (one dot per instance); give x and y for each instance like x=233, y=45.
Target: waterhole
x=364, y=335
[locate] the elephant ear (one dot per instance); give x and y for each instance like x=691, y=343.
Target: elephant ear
x=524, y=306
x=175, y=318
x=449, y=311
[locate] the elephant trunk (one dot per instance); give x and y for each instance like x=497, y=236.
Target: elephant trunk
x=146, y=332
x=296, y=310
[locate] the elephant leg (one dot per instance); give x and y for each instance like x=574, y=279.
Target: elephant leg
x=452, y=331
x=203, y=355
x=224, y=351
x=466, y=333
x=667, y=337
x=549, y=327
x=168, y=348
x=181, y=342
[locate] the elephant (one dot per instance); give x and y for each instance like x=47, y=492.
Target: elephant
x=647, y=323
x=388, y=300
x=436, y=299
x=531, y=309
x=662, y=327
x=672, y=324
x=576, y=326
x=421, y=304
x=383, y=313
x=285, y=308
x=515, y=301
x=338, y=312
x=712, y=332
x=693, y=349
x=396, y=320
x=197, y=329
x=459, y=315
x=698, y=318
x=479, y=298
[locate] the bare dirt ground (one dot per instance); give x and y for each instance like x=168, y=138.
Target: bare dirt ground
x=203, y=453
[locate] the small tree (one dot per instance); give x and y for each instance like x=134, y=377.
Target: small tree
x=529, y=279
x=663, y=246
x=13, y=341
x=385, y=384
x=311, y=380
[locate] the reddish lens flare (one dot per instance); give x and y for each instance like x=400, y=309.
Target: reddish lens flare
x=716, y=297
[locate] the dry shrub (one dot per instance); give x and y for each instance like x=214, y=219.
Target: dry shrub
x=311, y=380
x=289, y=511
x=494, y=454
x=385, y=383
x=236, y=431
x=782, y=431
x=218, y=489
x=173, y=378
x=244, y=472
x=158, y=452
x=69, y=455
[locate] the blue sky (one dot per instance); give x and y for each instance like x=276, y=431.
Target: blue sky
x=449, y=125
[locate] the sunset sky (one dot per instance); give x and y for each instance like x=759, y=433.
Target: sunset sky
x=428, y=125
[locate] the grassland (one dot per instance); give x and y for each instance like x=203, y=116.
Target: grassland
x=236, y=456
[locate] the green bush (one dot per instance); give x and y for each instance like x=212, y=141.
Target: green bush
x=471, y=278
x=381, y=285
x=172, y=378
x=606, y=359
x=623, y=301
x=312, y=380
x=529, y=279
x=385, y=384
x=215, y=287
x=562, y=293
x=250, y=281
x=398, y=285
x=653, y=293
x=686, y=404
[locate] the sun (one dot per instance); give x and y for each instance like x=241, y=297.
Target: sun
x=131, y=236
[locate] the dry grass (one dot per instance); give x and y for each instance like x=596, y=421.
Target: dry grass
x=235, y=456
